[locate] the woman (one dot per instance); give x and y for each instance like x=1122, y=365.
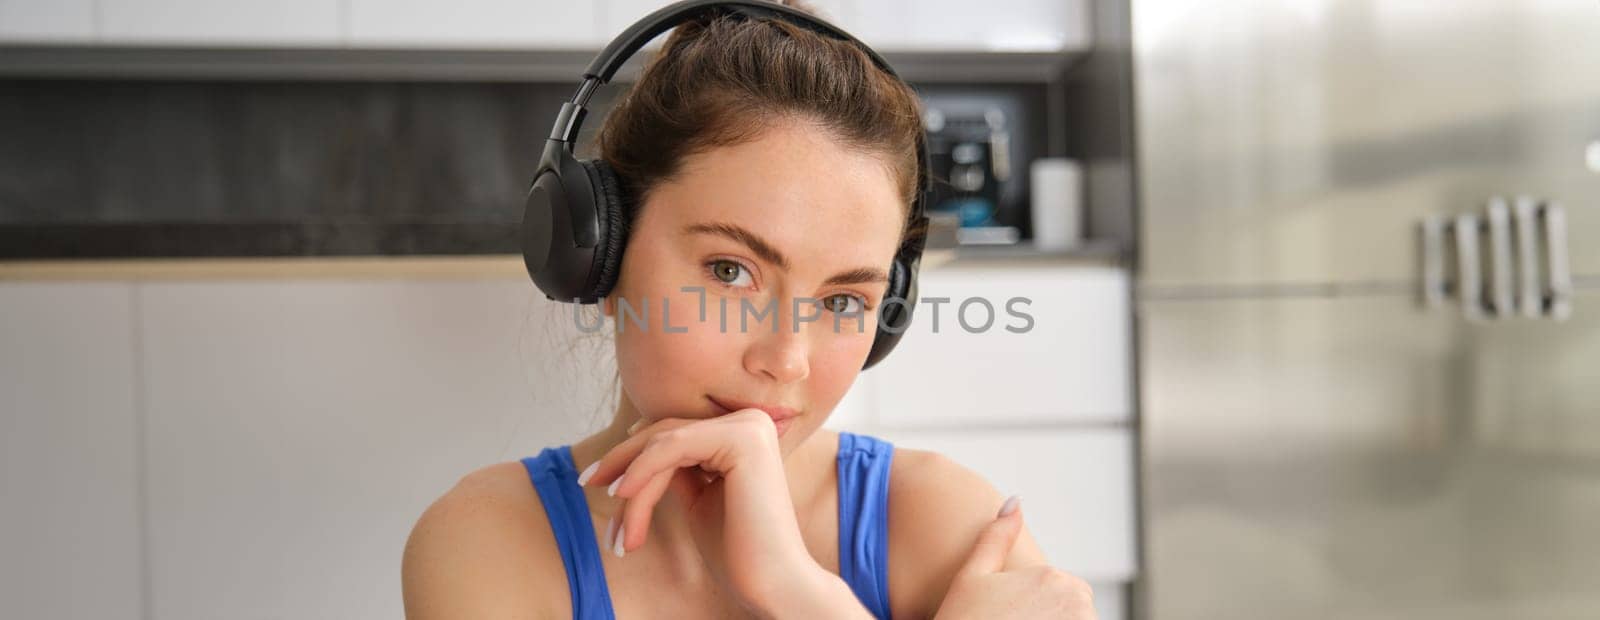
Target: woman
x=766, y=164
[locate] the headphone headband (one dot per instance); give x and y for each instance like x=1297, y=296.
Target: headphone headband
x=610, y=60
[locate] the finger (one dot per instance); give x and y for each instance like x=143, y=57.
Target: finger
x=671, y=450
x=639, y=508
x=617, y=531
x=611, y=464
x=994, y=544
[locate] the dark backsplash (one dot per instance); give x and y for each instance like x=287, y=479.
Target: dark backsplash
x=158, y=168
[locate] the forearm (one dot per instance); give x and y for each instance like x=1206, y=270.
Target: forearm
x=821, y=594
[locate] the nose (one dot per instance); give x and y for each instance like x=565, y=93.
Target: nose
x=782, y=355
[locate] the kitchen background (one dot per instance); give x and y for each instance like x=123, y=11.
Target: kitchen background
x=1314, y=327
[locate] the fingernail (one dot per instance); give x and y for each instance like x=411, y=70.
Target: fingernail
x=611, y=529
x=1010, y=506
x=616, y=547
x=612, y=490
x=588, y=472
x=636, y=426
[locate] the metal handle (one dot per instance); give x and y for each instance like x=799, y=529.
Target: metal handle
x=1526, y=211
x=1468, y=267
x=1500, y=276
x=1558, y=283
x=1433, y=287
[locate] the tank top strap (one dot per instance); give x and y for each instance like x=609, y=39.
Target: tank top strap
x=555, y=477
x=863, y=518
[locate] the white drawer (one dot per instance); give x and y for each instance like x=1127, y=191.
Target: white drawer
x=1077, y=489
x=1073, y=364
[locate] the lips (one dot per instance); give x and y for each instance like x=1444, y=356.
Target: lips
x=779, y=414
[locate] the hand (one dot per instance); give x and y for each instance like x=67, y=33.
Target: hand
x=982, y=589
x=727, y=473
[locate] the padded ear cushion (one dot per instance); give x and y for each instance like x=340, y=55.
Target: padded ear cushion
x=897, y=288
x=895, y=318
x=614, y=208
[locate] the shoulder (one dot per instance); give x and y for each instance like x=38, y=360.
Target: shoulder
x=485, y=549
x=937, y=508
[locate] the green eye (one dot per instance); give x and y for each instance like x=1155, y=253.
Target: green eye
x=727, y=272
x=842, y=304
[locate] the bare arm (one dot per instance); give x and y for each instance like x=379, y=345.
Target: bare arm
x=937, y=510
x=818, y=594
x=481, y=552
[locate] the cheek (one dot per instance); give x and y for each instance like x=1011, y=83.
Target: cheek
x=836, y=361
x=666, y=371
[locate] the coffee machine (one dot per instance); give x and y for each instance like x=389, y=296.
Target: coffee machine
x=970, y=155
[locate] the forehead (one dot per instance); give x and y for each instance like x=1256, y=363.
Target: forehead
x=795, y=185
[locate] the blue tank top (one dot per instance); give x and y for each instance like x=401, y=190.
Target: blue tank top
x=863, y=464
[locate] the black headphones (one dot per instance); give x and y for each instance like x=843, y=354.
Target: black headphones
x=573, y=227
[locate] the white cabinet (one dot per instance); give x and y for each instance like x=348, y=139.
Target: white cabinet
x=930, y=25
x=961, y=364
x=484, y=24
x=961, y=25
x=617, y=15
x=1110, y=600
x=1000, y=25
x=882, y=24
x=298, y=428
x=46, y=21
x=889, y=25
x=286, y=23
x=1076, y=485
x=69, y=452
x=620, y=14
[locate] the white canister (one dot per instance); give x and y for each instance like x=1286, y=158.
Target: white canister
x=1057, y=188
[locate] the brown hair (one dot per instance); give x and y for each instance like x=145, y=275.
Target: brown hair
x=720, y=82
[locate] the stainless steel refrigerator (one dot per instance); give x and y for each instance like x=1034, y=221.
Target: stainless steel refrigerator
x=1369, y=308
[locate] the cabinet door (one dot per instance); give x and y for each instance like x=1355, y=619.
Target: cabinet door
x=297, y=429
x=209, y=22
x=1069, y=361
x=486, y=24
x=46, y=21
x=69, y=463
x=1076, y=487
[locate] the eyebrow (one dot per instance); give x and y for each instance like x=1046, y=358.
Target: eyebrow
x=771, y=254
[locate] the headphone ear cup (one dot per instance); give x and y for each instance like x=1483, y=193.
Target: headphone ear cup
x=614, y=206
x=894, y=318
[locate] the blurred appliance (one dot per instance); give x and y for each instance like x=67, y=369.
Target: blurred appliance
x=970, y=156
x=1369, y=308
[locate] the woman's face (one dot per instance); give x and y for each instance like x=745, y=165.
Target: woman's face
x=745, y=230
